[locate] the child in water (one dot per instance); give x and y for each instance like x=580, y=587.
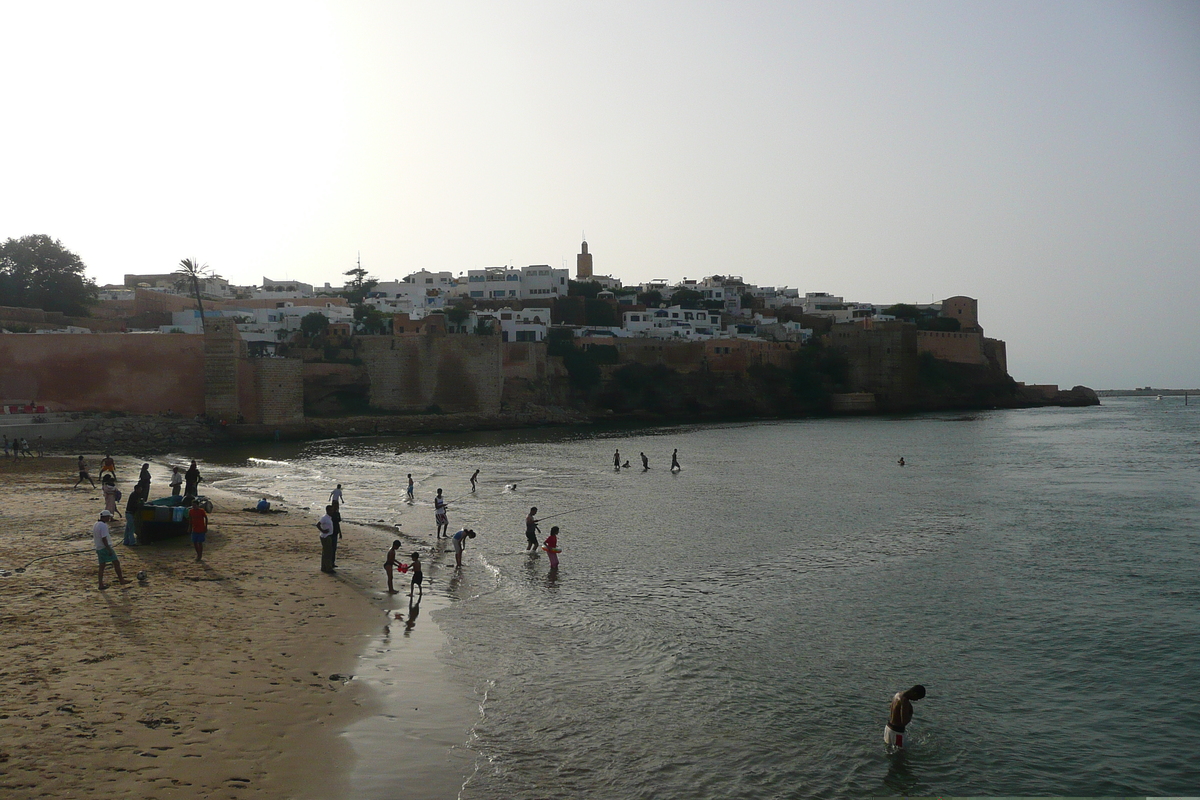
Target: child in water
x=550, y=545
x=417, y=577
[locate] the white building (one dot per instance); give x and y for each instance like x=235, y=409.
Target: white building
x=536, y=282
x=673, y=322
x=527, y=325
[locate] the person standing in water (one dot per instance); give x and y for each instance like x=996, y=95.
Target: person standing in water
x=389, y=565
x=675, y=461
x=616, y=459
x=551, y=546
x=439, y=515
x=531, y=530
x=418, y=577
x=460, y=544
x=474, y=477
x=901, y=461
x=645, y=462
x=410, y=487
x=900, y=715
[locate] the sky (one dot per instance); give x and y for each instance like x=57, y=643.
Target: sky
x=1041, y=157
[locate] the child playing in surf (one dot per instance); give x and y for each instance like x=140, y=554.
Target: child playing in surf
x=418, y=577
x=551, y=547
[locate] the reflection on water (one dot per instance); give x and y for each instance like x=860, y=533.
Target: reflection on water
x=736, y=629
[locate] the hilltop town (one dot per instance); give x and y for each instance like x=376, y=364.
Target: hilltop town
x=493, y=347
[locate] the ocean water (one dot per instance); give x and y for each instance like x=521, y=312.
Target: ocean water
x=736, y=629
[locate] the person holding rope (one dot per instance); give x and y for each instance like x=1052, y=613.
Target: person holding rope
x=439, y=515
x=531, y=530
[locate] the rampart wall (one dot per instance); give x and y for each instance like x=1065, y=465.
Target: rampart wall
x=130, y=373
x=960, y=348
x=455, y=372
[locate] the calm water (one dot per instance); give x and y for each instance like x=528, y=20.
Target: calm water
x=737, y=629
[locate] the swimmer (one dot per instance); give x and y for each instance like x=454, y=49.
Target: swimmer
x=900, y=715
x=901, y=461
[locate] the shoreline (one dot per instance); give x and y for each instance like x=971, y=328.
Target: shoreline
x=210, y=678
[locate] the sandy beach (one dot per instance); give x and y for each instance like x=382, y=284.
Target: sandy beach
x=223, y=678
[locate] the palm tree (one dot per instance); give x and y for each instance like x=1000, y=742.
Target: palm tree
x=191, y=271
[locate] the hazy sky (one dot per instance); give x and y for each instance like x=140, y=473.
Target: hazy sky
x=1042, y=157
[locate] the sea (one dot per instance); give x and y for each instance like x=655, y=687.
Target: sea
x=737, y=628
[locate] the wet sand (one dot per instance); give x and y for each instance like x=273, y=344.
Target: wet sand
x=225, y=678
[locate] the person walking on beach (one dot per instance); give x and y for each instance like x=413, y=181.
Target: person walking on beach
x=6, y=446
x=410, y=487
x=328, y=540
x=460, y=544
x=645, y=462
x=474, y=477
x=83, y=474
x=144, y=479
x=41, y=448
x=104, y=548
x=675, y=461
x=900, y=715
x=439, y=515
x=335, y=497
x=418, y=577
x=109, y=466
x=531, y=530
x=192, y=480
x=389, y=565
x=198, y=523
x=616, y=459
x=551, y=546
x=25, y=451
x=176, y=482
x=108, y=485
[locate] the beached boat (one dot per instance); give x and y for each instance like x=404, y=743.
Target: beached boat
x=165, y=518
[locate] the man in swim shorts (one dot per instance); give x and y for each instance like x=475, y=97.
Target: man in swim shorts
x=104, y=549
x=900, y=715
x=439, y=515
x=531, y=530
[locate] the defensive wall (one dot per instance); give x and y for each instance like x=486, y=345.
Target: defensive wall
x=454, y=372
x=150, y=374
x=882, y=358
x=961, y=348
x=129, y=373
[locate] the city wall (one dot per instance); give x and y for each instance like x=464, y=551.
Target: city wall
x=960, y=348
x=454, y=372
x=129, y=373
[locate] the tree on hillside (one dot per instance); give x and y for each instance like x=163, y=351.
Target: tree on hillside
x=686, y=298
x=458, y=314
x=360, y=284
x=190, y=273
x=651, y=298
x=38, y=272
x=903, y=311
x=314, y=324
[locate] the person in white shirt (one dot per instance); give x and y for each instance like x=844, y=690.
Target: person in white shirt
x=460, y=544
x=104, y=548
x=176, y=482
x=328, y=540
x=335, y=497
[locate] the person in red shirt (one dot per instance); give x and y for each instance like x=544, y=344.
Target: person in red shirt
x=198, y=523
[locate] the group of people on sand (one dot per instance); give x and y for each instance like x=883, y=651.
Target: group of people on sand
x=20, y=447
x=197, y=516
x=618, y=465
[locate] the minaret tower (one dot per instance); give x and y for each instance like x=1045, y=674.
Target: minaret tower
x=583, y=263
